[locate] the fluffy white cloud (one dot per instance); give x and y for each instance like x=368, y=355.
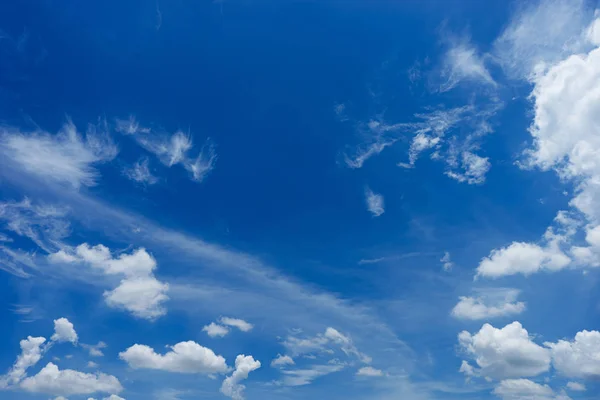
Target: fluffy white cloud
x=32, y=350
x=523, y=389
x=140, y=292
x=369, y=371
x=215, y=330
x=66, y=157
x=576, y=386
x=185, y=357
x=522, y=258
x=236, y=323
x=375, y=203
x=51, y=380
x=111, y=397
x=579, y=358
x=488, y=306
x=472, y=169
x=282, y=361
x=231, y=386
x=505, y=353
x=64, y=331
x=140, y=172
x=95, y=350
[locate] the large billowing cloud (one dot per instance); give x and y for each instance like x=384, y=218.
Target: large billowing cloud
x=504, y=353
x=579, y=358
x=184, y=357
x=231, y=386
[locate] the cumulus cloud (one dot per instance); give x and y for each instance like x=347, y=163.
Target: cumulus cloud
x=95, y=350
x=67, y=157
x=236, y=323
x=51, y=380
x=472, y=169
x=231, y=386
x=215, y=330
x=64, y=331
x=184, y=357
x=375, y=203
x=522, y=258
x=282, y=361
x=491, y=304
x=32, y=350
x=140, y=172
x=579, y=358
x=369, y=371
x=139, y=292
x=505, y=353
x=447, y=263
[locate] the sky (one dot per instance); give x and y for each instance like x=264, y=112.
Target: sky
x=260, y=199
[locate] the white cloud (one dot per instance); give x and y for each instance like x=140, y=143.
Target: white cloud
x=184, y=357
x=231, y=386
x=522, y=258
x=375, y=203
x=215, y=330
x=92, y=364
x=45, y=225
x=66, y=157
x=505, y=353
x=301, y=377
x=140, y=172
x=64, y=331
x=32, y=351
x=473, y=169
x=236, y=323
x=282, y=361
x=95, y=350
x=447, y=263
x=576, y=386
x=140, y=292
x=579, y=358
x=462, y=62
x=369, y=371
x=523, y=389
x=173, y=149
x=51, y=380
x=322, y=343
x=489, y=305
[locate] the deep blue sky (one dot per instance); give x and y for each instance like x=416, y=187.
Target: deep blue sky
x=279, y=232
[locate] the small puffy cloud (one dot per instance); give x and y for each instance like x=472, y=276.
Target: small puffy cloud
x=31, y=352
x=92, y=364
x=64, y=331
x=579, y=358
x=66, y=157
x=95, y=350
x=576, y=386
x=505, y=353
x=489, y=305
x=522, y=258
x=184, y=357
x=231, y=386
x=236, y=323
x=472, y=169
x=282, y=360
x=447, y=263
x=322, y=343
x=140, y=172
x=140, y=292
x=520, y=389
x=369, y=371
x=375, y=203
x=215, y=330
x=51, y=380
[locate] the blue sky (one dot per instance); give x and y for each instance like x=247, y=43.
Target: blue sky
x=288, y=200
